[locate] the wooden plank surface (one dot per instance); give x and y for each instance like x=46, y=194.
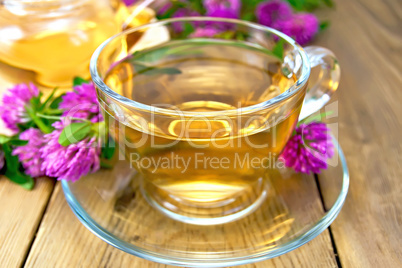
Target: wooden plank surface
x=20, y=214
x=366, y=36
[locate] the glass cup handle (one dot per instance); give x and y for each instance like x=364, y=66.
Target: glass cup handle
x=322, y=84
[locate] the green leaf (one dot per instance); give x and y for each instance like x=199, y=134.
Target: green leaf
x=25, y=126
x=20, y=178
x=188, y=52
x=35, y=102
x=183, y=50
x=53, y=112
x=12, y=140
x=309, y=5
x=328, y=3
x=48, y=99
x=43, y=126
x=169, y=13
x=324, y=25
x=225, y=35
x=12, y=162
x=160, y=71
x=109, y=148
x=142, y=58
x=74, y=132
x=140, y=68
x=55, y=102
x=146, y=70
x=240, y=36
x=317, y=117
x=4, y=139
x=278, y=49
x=77, y=81
x=248, y=9
x=18, y=142
x=151, y=56
x=197, y=5
x=297, y=4
x=188, y=29
x=13, y=169
x=99, y=130
x=248, y=16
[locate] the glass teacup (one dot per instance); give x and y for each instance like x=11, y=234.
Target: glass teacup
x=203, y=107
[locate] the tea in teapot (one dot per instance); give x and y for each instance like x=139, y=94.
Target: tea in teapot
x=56, y=38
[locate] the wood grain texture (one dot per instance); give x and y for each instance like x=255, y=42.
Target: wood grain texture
x=63, y=241
x=367, y=39
x=20, y=214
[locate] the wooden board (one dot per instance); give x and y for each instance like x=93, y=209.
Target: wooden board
x=366, y=36
x=20, y=215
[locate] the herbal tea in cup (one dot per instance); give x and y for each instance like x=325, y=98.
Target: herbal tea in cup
x=202, y=119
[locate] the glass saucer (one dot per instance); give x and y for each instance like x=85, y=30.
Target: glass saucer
x=110, y=204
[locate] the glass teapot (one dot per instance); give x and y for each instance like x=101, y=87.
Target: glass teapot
x=56, y=38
